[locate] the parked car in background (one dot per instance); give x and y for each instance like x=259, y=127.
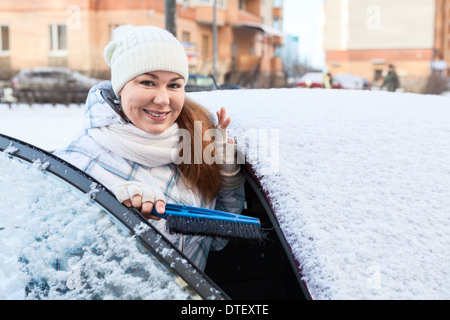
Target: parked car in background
x=352, y=81
x=199, y=82
x=315, y=80
x=51, y=84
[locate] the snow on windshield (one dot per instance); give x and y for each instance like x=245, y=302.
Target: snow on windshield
x=55, y=243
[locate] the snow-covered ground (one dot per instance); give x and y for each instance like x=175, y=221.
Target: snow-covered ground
x=360, y=181
x=44, y=126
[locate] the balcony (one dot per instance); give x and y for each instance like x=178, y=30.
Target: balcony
x=275, y=37
x=271, y=65
x=204, y=15
x=245, y=16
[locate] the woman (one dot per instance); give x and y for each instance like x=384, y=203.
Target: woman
x=131, y=139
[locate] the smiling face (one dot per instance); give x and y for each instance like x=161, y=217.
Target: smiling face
x=152, y=101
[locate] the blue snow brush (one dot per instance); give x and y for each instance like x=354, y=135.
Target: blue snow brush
x=211, y=223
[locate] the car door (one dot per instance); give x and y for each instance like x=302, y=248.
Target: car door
x=262, y=271
x=64, y=236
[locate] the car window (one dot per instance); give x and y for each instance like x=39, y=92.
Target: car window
x=205, y=81
x=192, y=81
x=58, y=242
x=200, y=81
x=42, y=74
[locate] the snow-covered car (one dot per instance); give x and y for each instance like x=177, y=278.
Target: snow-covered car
x=359, y=182
x=350, y=185
x=352, y=81
x=198, y=82
x=51, y=84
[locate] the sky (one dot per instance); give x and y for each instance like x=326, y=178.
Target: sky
x=303, y=18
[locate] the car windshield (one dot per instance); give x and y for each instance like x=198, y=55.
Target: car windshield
x=201, y=81
x=57, y=243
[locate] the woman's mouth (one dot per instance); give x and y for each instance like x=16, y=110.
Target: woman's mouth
x=157, y=115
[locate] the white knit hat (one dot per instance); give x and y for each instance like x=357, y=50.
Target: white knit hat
x=137, y=50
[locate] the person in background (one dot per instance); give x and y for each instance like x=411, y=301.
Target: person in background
x=132, y=135
x=391, y=81
x=328, y=81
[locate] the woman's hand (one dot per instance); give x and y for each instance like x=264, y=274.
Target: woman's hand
x=140, y=196
x=229, y=166
x=222, y=119
x=224, y=122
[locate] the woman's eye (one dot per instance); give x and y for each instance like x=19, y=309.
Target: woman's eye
x=174, y=85
x=147, y=83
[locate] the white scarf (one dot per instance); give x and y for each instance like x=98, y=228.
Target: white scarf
x=137, y=145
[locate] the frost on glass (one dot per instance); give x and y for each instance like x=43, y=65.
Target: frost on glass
x=56, y=243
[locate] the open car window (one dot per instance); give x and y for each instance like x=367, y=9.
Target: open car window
x=63, y=236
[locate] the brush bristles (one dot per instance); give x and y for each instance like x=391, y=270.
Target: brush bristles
x=213, y=228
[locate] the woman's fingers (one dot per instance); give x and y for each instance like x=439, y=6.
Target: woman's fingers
x=136, y=201
x=146, y=207
x=160, y=208
x=222, y=119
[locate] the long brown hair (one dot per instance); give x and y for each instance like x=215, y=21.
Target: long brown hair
x=197, y=173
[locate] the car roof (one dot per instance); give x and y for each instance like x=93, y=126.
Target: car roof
x=312, y=76
x=359, y=181
x=46, y=69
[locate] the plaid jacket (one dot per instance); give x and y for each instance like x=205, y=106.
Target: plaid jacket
x=111, y=169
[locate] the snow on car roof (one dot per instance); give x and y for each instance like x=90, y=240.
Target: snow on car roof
x=312, y=76
x=362, y=190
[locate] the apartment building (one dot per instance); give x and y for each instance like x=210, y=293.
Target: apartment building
x=365, y=36
x=73, y=33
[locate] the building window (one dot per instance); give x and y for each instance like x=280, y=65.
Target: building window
x=186, y=36
x=58, y=39
x=378, y=74
x=4, y=39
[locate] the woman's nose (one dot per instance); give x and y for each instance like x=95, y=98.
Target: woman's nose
x=162, y=97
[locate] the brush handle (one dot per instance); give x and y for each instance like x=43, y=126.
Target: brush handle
x=203, y=213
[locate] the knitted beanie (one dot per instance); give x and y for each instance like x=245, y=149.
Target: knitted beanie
x=135, y=50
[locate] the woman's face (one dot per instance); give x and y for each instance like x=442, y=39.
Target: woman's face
x=152, y=101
